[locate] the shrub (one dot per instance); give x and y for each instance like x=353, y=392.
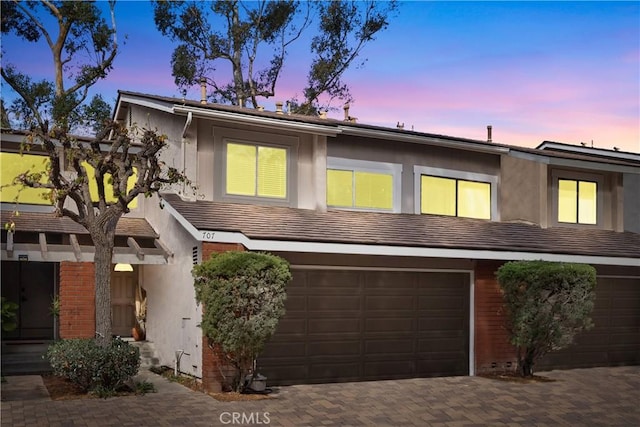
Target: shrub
x=547, y=304
x=93, y=367
x=243, y=295
x=9, y=315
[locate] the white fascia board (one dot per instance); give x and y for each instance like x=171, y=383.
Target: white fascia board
x=164, y=106
x=421, y=139
x=581, y=164
x=324, y=130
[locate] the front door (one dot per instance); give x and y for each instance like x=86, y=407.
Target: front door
x=123, y=302
x=32, y=286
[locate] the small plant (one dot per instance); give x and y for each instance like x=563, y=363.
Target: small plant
x=55, y=306
x=144, y=387
x=94, y=368
x=9, y=315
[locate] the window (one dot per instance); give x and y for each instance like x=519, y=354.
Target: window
x=455, y=193
x=577, y=201
x=14, y=164
x=361, y=184
x=256, y=170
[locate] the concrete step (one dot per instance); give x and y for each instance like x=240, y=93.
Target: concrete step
x=148, y=355
x=24, y=358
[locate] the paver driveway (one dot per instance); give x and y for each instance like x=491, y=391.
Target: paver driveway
x=581, y=397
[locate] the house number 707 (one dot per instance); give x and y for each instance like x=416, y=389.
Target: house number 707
x=208, y=235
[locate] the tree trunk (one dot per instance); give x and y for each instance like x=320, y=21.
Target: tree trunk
x=104, y=243
x=525, y=364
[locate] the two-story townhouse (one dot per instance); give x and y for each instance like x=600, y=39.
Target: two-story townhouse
x=393, y=236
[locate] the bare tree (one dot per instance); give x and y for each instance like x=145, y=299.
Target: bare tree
x=123, y=163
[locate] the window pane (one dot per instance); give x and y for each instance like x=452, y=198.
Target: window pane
x=474, y=199
x=438, y=195
x=241, y=169
x=272, y=172
x=374, y=190
x=14, y=164
x=567, y=197
x=587, y=193
x=339, y=188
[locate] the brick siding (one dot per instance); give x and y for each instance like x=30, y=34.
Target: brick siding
x=77, y=300
x=493, y=352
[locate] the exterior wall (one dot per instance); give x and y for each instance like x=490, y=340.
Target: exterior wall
x=77, y=300
x=493, y=353
x=523, y=177
x=172, y=312
x=631, y=201
x=410, y=155
x=212, y=363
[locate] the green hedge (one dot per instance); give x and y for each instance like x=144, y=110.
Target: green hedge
x=92, y=367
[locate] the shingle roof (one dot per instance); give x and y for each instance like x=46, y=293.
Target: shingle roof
x=47, y=222
x=431, y=231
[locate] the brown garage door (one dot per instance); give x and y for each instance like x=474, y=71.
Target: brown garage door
x=354, y=325
x=615, y=338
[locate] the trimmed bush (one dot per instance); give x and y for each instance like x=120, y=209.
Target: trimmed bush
x=547, y=304
x=243, y=295
x=92, y=367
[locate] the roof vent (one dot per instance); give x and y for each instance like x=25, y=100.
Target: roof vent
x=323, y=114
x=489, y=129
x=279, y=107
x=400, y=125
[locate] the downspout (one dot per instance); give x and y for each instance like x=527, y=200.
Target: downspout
x=184, y=148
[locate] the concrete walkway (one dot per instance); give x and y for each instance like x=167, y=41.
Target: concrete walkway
x=580, y=397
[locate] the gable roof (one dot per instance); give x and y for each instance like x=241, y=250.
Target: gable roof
x=252, y=223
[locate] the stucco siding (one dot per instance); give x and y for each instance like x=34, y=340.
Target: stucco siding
x=523, y=186
x=631, y=197
x=172, y=313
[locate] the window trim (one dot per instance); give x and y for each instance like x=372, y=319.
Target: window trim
x=291, y=153
x=393, y=169
x=492, y=180
x=557, y=175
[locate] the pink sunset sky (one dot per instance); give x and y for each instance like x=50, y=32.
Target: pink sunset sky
x=560, y=71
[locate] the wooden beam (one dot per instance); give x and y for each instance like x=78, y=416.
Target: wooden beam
x=163, y=248
x=10, y=244
x=44, y=250
x=76, y=247
x=136, y=247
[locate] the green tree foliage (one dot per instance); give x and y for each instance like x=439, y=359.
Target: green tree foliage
x=547, y=304
x=240, y=48
x=83, y=47
x=83, y=51
x=243, y=294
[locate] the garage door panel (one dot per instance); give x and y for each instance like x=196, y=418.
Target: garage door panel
x=331, y=303
x=365, y=325
x=291, y=326
x=334, y=325
x=441, y=323
x=390, y=324
x=384, y=346
x=295, y=303
x=441, y=302
x=385, y=302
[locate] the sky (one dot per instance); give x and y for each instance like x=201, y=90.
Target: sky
x=559, y=71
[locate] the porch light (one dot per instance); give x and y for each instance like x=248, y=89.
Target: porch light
x=123, y=267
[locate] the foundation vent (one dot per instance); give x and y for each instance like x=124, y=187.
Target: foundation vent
x=195, y=255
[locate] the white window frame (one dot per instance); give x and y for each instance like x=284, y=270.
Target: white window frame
x=393, y=169
x=557, y=175
x=492, y=180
